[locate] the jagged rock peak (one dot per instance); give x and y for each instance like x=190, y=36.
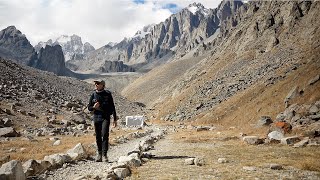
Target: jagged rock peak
x=197, y=7
x=14, y=30
x=144, y=31
x=14, y=45
x=51, y=59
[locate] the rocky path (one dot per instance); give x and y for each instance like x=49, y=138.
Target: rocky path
x=89, y=169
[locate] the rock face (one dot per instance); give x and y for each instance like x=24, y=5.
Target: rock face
x=15, y=46
x=159, y=43
x=51, y=59
x=72, y=46
x=115, y=66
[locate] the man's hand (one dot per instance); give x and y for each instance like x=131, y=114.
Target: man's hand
x=96, y=105
x=114, y=123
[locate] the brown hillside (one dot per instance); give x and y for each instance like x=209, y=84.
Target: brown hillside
x=253, y=65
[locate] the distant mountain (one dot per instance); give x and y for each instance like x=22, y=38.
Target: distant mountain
x=15, y=46
x=163, y=42
x=72, y=46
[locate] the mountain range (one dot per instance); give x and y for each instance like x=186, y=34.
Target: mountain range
x=160, y=43
x=199, y=58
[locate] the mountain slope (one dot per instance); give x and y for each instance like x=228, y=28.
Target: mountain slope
x=258, y=49
x=29, y=96
x=174, y=37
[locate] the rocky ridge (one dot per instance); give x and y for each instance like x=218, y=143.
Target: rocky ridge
x=239, y=60
x=174, y=37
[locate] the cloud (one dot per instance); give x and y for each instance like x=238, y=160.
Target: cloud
x=95, y=21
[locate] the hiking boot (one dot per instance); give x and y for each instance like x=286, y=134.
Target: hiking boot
x=98, y=158
x=105, y=158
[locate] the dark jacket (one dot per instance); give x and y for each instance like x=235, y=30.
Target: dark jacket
x=106, y=108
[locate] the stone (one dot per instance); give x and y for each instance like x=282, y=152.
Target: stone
x=129, y=161
x=292, y=94
x=275, y=135
x=314, y=80
x=302, y=143
x=249, y=168
x=32, y=167
x=78, y=149
x=290, y=140
x=264, y=121
x=8, y=132
x=12, y=170
x=57, y=143
x=222, y=160
x=189, y=161
x=122, y=172
x=314, y=109
x=276, y=166
x=199, y=161
x=254, y=140
x=134, y=120
x=203, y=128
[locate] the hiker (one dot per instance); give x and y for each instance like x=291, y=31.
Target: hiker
x=102, y=106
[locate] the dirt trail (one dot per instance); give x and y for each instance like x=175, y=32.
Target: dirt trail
x=244, y=161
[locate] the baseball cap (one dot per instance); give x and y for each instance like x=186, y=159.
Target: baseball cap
x=100, y=81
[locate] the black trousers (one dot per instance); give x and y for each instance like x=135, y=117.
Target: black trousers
x=102, y=135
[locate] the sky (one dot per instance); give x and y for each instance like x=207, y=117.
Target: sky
x=95, y=21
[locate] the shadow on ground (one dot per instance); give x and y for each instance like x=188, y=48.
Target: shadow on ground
x=170, y=157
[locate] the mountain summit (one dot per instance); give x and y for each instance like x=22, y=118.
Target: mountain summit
x=72, y=46
x=15, y=46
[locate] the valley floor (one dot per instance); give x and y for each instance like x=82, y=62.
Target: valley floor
x=242, y=161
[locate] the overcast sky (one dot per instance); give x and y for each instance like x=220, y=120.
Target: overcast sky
x=95, y=21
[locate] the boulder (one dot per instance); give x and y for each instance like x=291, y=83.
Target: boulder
x=8, y=132
x=122, y=172
x=276, y=135
x=290, y=140
x=12, y=170
x=130, y=161
x=264, y=121
x=252, y=140
x=34, y=167
x=189, y=161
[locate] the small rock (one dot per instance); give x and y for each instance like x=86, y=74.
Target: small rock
x=249, y=168
x=57, y=143
x=189, y=161
x=222, y=160
x=199, y=161
x=276, y=166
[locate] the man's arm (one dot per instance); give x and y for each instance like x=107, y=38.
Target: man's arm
x=114, y=113
x=90, y=104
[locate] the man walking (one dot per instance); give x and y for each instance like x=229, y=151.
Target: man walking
x=102, y=105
